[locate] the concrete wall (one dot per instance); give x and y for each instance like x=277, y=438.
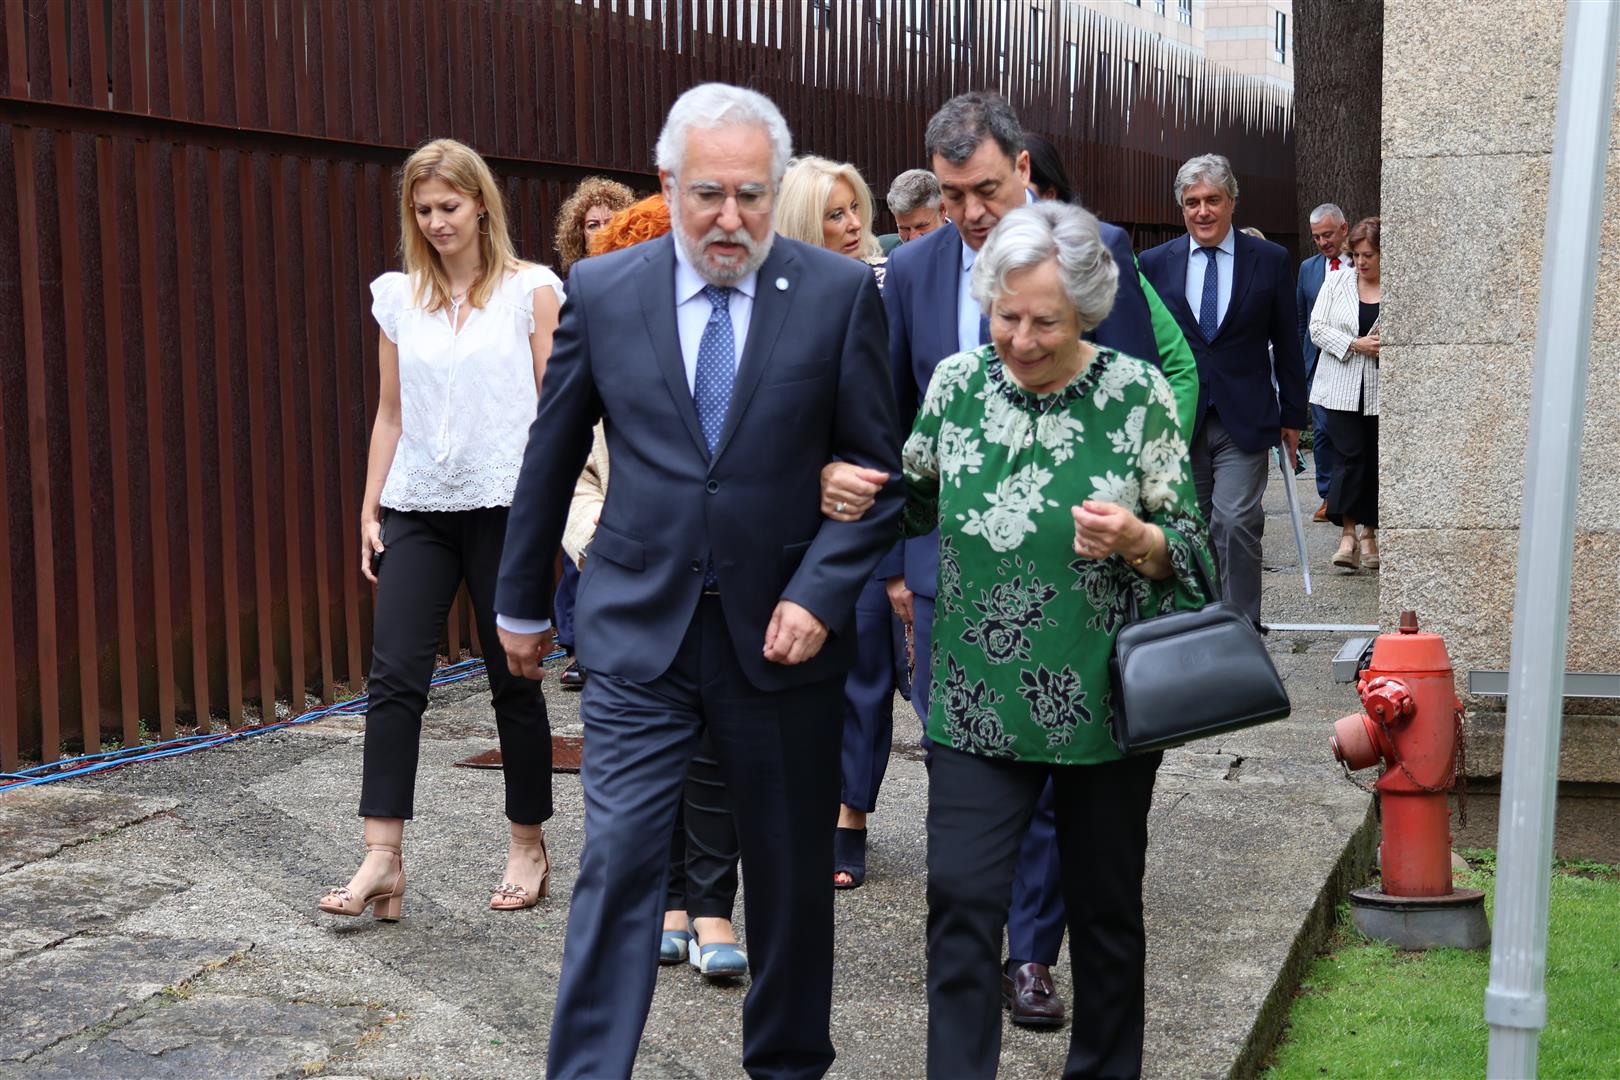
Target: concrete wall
x=1470, y=90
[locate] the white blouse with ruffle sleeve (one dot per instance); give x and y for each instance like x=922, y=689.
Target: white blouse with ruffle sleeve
x=466, y=397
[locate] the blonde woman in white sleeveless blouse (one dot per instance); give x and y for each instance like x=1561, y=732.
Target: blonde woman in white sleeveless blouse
x=465, y=332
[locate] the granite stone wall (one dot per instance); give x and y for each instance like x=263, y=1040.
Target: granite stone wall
x=1470, y=92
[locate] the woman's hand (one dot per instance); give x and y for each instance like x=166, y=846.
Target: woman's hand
x=1366, y=346
x=370, y=543
x=899, y=598
x=848, y=491
x=1102, y=529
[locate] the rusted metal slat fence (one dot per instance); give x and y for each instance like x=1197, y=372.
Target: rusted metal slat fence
x=203, y=188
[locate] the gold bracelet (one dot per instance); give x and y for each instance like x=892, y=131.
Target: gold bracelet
x=1153, y=542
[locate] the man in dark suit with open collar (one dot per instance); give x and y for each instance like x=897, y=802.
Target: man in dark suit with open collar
x=730, y=365
x=1234, y=296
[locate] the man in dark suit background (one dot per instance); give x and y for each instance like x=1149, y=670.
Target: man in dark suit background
x=1329, y=228
x=976, y=148
x=1234, y=297
x=730, y=365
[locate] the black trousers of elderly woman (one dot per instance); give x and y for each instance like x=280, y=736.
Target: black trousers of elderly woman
x=978, y=811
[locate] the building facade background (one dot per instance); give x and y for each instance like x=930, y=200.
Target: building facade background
x=1470, y=94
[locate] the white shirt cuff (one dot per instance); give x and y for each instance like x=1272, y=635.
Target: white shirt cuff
x=522, y=626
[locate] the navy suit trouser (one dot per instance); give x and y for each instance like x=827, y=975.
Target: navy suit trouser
x=779, y=753
x=869, y=696
x=1036, y=919
x=562, y=605
x=1322, y=450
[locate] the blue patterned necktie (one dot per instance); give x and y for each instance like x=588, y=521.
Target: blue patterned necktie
x=711, y=386
x=716, y=366
x=1209, y=305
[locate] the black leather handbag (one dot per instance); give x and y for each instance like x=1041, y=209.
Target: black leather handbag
x=1191, y=674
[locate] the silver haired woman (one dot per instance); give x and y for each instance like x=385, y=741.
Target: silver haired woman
x=1060, y=482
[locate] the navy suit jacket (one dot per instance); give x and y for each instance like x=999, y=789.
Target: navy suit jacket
x=921, y=292
x=811, y=385
x=1235, y=367
x=1311, y=273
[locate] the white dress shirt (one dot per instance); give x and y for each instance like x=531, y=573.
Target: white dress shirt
x=692, y=310
x=967, y=308
x=1197, y=263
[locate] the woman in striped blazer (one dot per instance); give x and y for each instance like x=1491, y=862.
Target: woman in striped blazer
x=1344, y=325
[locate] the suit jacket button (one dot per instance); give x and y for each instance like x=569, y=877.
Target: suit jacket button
x=697, y=567
x=712, y=486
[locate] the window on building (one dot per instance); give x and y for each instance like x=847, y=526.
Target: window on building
x=1133, y=72
x=1037, y=43
x=963, y=21
x=919, y=17
x=821, y=14
x=1279, y=47
x=1158, y=8
x=1184, y=12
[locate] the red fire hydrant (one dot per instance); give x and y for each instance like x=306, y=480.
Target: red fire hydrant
x=1412, y=722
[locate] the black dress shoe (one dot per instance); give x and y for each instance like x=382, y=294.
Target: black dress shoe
x=1030, y=998
x=572, y=677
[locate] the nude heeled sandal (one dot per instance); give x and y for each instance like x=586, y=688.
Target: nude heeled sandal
x=502, y=898
x=384, y=903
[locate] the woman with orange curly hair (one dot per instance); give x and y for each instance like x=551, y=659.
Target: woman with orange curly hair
x=704, y=850
x=587, y=210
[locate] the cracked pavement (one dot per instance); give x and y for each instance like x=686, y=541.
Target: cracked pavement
x=161, y=922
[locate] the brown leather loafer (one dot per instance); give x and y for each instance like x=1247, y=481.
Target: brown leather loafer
x=1030, y=998
x=1321, y=512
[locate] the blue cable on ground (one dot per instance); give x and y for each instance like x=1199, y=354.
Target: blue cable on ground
x=86, y=764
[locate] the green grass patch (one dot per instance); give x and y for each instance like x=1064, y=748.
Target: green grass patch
x=1366, y=1010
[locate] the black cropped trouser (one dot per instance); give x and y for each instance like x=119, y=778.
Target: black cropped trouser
x=428, y=555
x=703, y=852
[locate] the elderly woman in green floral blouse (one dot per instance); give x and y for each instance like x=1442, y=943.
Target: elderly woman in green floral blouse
x=1060, y=483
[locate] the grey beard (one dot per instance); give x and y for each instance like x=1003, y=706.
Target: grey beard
x=758, y=250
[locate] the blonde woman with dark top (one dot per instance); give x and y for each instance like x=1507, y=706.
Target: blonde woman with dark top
x=465, y=332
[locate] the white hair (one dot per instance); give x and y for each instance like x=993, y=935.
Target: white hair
x=1326, y=212
x=717, y=105
x=1031, y=235
x=1206, y=169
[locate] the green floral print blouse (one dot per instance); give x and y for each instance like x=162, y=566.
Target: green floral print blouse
x=1024, y=628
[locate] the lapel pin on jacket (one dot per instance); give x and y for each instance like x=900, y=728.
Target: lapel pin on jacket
x=781, y=284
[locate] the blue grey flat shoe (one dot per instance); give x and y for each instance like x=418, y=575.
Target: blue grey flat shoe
x=672, y=949
x=722, y=960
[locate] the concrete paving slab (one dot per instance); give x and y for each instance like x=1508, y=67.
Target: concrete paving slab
x=37, y=822
x=49, y=901
x=212, y=1035
x=89, y=980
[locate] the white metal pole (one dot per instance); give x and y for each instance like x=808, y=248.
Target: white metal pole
x=1516, y=1000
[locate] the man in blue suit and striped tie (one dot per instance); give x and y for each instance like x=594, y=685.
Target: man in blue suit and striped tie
x=1329, y=228
x=1233, y=295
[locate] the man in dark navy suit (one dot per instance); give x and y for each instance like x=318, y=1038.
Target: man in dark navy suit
x=976, y=147
x=1329, y=229
x=730, y=365
x=1234, y=297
